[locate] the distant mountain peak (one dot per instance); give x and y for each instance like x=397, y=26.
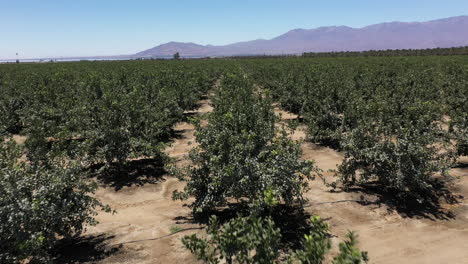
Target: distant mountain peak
x=180, y=43
x=445, y=32
x=297, y=30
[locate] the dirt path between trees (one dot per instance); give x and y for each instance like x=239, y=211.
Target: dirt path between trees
x=146, y=213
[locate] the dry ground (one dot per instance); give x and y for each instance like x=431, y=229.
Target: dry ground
x=146, y=212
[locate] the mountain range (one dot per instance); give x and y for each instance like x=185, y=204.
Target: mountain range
x=441, y=33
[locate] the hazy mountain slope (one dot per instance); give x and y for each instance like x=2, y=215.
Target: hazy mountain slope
x=448, y=32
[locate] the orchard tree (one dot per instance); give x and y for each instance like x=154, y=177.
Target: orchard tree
x=349, y=253
x=402, y=159
x=39, y=206
x=254, y=239
x=457, y=101
x=109, y=124
x=10, y=115
x=242, y=155
x=241, y=240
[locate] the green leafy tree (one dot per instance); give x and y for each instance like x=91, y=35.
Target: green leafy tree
x=457, y=102
x=241, y=240
x=39, y=205
x=241, y=153
x=99, y=113
x=254, y=239
x=403, y=161
x=315, y=245
x=349, y=253
x=10, y=115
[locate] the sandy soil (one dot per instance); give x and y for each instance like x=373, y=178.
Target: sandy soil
x=146, y=212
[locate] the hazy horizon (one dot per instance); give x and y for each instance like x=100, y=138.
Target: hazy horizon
x=50, y=28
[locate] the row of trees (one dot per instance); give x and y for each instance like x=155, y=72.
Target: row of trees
x=74, y=116
x=242, y=154
x=40, y=205
x=77, y=115
x=399, y=122
x=243, y=159
x=102, y=115
x=454, y=51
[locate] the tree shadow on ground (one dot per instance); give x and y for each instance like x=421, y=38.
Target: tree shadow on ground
x=461, y=166
x=131, y=173
x=293, y=221
x=329, y=143
x=191, y=113
x=84, y=249
x=179, y=134
x=409, y=206
x=298, y=120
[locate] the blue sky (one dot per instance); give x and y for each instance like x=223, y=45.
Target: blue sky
x=54, y=28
